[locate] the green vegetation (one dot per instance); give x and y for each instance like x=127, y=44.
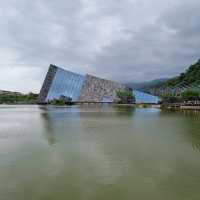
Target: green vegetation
x=63, y=100
x=125, y=96
x=190, y=76
x=189, y=82
x=171, y=99
x=17, y=98
x=190, y=95
x=59, y=102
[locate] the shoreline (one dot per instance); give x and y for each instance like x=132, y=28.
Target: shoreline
x=158, y=106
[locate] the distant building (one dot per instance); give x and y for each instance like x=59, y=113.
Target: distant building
x=60, y=83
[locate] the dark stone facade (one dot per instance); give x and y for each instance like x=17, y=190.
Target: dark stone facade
x=99, y=90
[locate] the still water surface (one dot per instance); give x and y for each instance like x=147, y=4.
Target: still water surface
x=98, y=153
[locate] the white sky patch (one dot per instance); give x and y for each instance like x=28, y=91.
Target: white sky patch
x=19, y=77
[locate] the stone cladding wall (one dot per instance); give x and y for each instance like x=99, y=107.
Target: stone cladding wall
x=97, y=90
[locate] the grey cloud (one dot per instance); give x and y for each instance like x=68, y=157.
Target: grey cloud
x=161, y=49
x=129, y=40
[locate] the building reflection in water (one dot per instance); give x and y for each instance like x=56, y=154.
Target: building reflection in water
x=48, y=122
x=57, y=121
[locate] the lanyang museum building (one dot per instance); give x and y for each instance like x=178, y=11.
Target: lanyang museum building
x=60, y=83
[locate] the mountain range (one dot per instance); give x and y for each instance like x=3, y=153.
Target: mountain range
x=188, y=78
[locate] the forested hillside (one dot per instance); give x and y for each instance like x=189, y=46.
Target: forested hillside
x=190, y=77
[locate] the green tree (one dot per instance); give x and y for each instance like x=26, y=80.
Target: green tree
x=190, y=95
x=13, y=97
x=167, y=99
x=59, y=102
x=125, y=96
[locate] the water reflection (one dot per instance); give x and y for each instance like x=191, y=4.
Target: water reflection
x=53, y=117
x=188, y=120
x=100, y=152
x=58, y=121
x=192, y=124
x=48, y=121
x=124, y=110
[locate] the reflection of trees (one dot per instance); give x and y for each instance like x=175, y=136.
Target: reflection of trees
x=195, y=114
x=193, y=129
x=124, y=110
x=106, y=110
x=190, y=124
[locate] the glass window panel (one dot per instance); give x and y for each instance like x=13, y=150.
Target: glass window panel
x=142, y=97
x=66, y=83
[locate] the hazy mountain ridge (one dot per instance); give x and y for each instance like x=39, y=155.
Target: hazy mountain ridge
x=145, y=86
x=190, y=77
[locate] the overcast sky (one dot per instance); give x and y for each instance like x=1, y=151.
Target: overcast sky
x=123, y=40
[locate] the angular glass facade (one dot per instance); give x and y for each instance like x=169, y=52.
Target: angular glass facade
x=141, y=97
x=65, y=83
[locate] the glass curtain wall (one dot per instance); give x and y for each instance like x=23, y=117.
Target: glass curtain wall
x=66, y=83
x=141, y=97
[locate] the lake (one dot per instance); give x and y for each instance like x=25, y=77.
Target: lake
x=98, y=153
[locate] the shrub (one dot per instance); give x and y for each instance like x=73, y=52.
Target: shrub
x=190, y=95
x=12, y=97
x=170, y=99
x=63, y=100
x=59, y=102
x=125, y=96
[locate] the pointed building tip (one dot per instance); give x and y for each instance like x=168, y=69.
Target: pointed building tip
x=53, y=66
